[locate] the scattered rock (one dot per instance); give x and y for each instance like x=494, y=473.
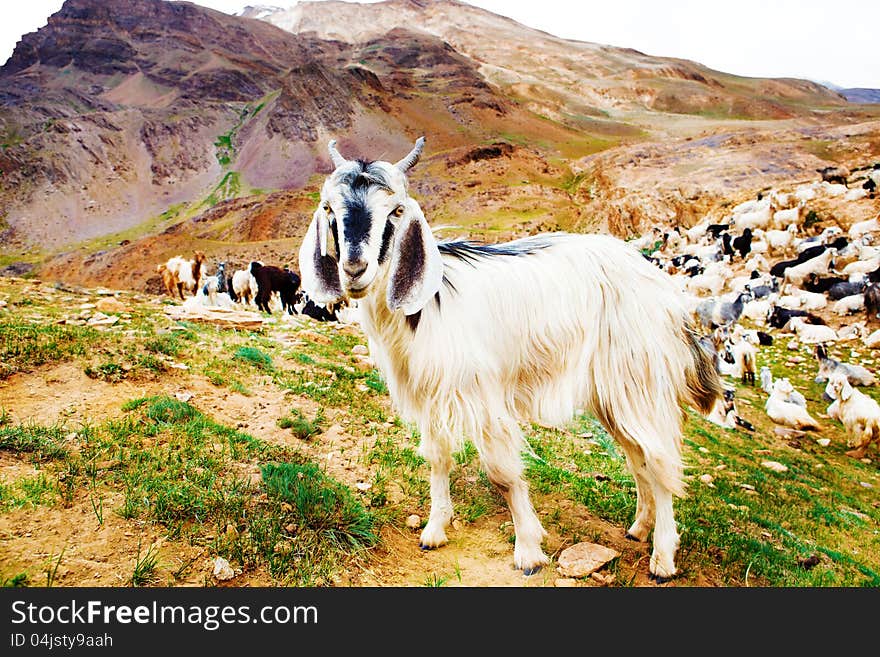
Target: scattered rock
x=222, y=570
x=865, y=484
x=363, y=486
x=100, y=319
x=707, y=479
x=604, y=580
x=183, y=396
x=110, y=305
x=584, y=558
x=413, y=521
x=824, y=442
x=776, y=466
x=793, y=345
x=360, y=350
x=565, y=582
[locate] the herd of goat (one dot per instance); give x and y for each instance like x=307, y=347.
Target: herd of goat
x=261, y=286
x=725, y=271
x=475, y=340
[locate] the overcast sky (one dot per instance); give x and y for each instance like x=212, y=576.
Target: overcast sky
x=814, y=39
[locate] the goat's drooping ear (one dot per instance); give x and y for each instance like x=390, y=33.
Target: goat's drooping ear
x=319, y=272
x=336, y=158
x=409, y=161
x=416, y=264
x=846, y=390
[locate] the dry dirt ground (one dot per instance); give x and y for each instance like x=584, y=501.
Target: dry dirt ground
x=479, y=553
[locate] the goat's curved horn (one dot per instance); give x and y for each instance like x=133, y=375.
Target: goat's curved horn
x=338, y=160
x=407, y=163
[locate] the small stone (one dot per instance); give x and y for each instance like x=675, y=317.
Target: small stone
x=707, y=479
x=363, y=486
x=286, y=508
x=793, y=345
x=183, y=396
x=747, y=487
x=776, y=466
x=110, y=305
x=360, y=350
x=222, y=570
x=413, y=521
x=703, y=450
x=456, y=524
x=565, y=582
x=824, y=442
x=584, y=558
x=865, y=484
x=604, y=580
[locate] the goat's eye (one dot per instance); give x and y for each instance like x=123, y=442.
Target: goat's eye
x=397, y=212
x=328, y=209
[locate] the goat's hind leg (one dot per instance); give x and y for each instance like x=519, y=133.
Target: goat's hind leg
x=635, y=461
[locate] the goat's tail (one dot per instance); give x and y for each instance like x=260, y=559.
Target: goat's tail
x=701, y=377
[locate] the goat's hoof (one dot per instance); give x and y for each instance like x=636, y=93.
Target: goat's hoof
x=659, y=579
x=531, y=571
x=630, y=537
x=423, y=546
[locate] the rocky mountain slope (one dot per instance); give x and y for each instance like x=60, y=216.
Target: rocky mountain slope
x=131, y=131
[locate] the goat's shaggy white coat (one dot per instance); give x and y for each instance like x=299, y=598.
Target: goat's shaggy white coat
x=569, y=322
x=859, y=414
x=811, y=333
x=787, y=413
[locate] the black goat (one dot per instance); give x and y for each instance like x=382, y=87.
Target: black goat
x=274, y=279
x=815, y=283
x=779, y=316
x=872, y=300
x=316, y=312
x=726, y=247
x=834, y=174
x=839, y=290
x=743, y=243
x=716, y=229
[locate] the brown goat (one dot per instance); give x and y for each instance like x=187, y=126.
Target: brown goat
x=179, y=274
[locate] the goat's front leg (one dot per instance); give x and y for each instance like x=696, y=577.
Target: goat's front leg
x=434, y=533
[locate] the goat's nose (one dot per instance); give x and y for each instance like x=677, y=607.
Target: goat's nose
x=355, y=268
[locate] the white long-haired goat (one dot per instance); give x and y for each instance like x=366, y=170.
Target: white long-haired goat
x=473, y=340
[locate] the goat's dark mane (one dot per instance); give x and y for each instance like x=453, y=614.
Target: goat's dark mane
x=471, y=252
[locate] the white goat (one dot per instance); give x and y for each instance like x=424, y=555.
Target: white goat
x=244, y=285
x=473, y=340
x=780, y=240
x=821, y=264
x=859, y=414
x=861, y=228
x=789, y=217
x=787, y=413
x=850, y=304
x=811, y=333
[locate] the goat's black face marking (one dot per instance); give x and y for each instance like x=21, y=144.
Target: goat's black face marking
x=357, y=217
x=387, y=236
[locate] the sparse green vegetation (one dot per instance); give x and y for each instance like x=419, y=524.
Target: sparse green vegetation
x=300, y=426
x=158, y=465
